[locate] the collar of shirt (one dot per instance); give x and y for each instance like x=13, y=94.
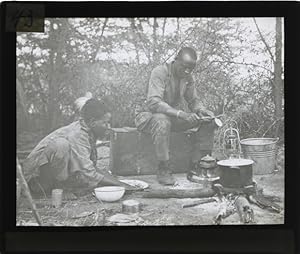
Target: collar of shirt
x=87, y=129
x=171, y=72
x=84, y=125
x=182, y=83
x=170, y=69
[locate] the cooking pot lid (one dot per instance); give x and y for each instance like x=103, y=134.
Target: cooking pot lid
x=235, y=162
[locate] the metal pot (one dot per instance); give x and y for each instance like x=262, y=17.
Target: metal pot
x=236, y=173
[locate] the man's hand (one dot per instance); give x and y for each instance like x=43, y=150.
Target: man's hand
x=112, y=180
x=130, y=187
x=205, y=113
x=189, y=117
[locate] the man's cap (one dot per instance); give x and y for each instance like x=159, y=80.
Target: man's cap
x=79, y=102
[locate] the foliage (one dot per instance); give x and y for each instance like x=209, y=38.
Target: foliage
x=113, y=58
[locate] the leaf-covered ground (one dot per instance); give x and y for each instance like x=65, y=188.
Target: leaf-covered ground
x=88, y=211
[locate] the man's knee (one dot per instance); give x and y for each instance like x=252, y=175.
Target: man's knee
x=58, y=153
x=160, y=116
x=161, y=124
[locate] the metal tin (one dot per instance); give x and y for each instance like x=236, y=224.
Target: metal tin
x=57, y=197
x=130, y=206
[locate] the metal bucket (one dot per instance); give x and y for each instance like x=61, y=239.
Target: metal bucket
x=263, y=152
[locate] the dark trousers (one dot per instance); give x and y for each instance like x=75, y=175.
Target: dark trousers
x=160, y=126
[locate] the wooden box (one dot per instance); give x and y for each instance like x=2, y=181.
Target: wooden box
x=132, y=152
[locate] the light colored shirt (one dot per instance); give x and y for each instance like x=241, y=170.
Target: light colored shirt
x=165, y=91
x=79, y=138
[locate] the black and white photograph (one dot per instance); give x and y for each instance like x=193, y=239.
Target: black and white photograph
x=151, y=121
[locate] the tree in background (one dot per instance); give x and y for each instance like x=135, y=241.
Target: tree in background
x=113, y=58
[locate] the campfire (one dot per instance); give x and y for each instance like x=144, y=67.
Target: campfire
x=235, y=188
x=228, y=182
x=239, y=200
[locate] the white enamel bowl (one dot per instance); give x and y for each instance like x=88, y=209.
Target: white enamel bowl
x=109, y=193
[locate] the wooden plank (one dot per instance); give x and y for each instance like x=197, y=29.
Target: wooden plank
x=27, y=193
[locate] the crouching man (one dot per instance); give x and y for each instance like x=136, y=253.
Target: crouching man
x=67, y=157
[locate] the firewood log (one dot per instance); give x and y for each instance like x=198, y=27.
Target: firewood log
x=199, y=202
x=244, y=210
x=178, y=193
x=264, y=203
x=224, y=211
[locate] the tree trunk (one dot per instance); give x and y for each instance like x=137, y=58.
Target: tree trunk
x=278, y=82
x=164, y=28
x=22, y=100
x=178, y=26
x=53, y=93
x=154, y=51
x=56, y=64
x=135, y=40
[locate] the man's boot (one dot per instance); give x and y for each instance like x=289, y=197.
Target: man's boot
x=164, y=174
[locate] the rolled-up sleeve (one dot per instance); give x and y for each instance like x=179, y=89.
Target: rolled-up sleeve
x=156, y=90
x=191, y=96
x=81, y=156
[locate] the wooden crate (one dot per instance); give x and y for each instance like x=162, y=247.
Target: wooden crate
x=132, y=152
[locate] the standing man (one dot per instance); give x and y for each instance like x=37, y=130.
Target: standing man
x=169, y=87
x=67, y=157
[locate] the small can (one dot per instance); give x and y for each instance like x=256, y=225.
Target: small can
x=57, y=197
x=130, y=206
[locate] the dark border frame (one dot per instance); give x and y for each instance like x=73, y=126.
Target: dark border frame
x=199, y=239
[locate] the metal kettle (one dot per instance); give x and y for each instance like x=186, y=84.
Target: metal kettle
x=208, y=162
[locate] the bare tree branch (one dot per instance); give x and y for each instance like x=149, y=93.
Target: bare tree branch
x=182, y=42
x=137, y=32
x=248, y=64
x=264, y=41
x=22, y=97
x=103, y=27
x=164, y=27
x=144, y=69
x=204, y=44
x=276, y=120
x=85, y=38
x=154, y=37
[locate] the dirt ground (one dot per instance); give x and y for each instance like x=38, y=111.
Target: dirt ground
x=88, y=211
